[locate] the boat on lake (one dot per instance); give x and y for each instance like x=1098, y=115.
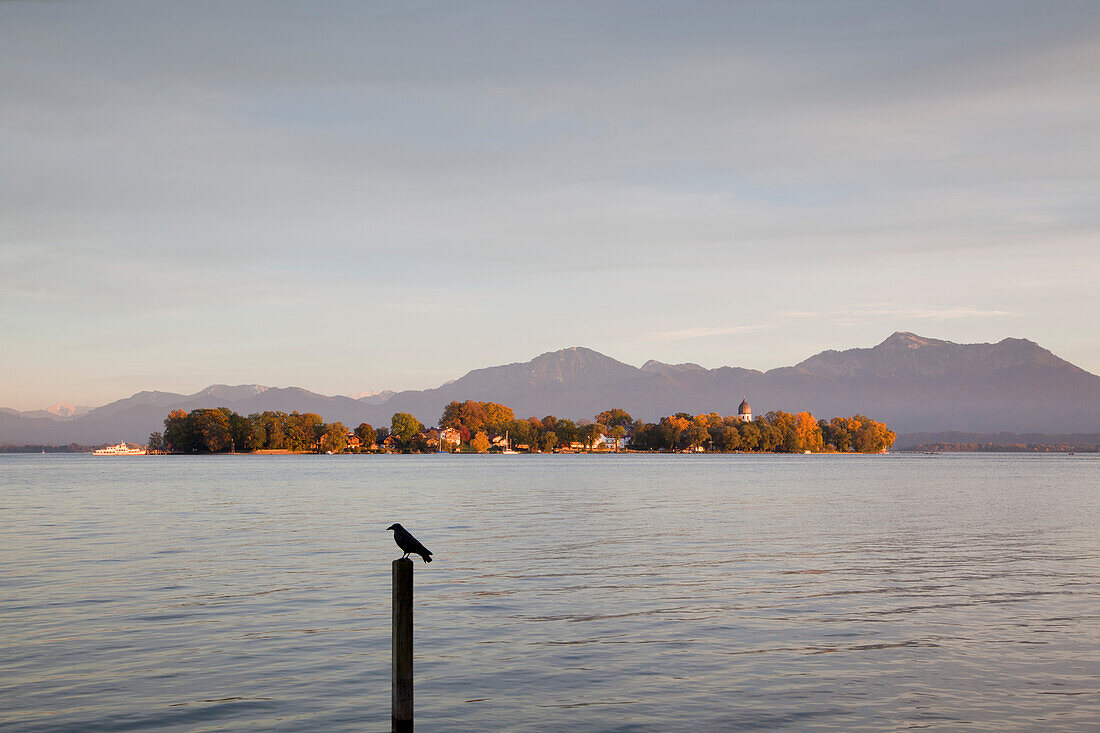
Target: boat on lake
x=122, y=449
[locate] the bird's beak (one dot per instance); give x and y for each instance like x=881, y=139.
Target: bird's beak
x=392, y=526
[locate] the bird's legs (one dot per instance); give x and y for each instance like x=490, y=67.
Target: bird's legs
x=405, y=556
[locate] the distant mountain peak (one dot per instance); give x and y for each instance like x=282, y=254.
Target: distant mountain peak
x=909, y=340
x=906, y=355
x=659, y=366
x=570, y=366
x=375, y=397
x=231, y=392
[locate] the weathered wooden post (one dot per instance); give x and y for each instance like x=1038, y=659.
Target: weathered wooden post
x=402, y=708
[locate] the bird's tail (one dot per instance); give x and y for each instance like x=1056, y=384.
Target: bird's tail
x=427, y=557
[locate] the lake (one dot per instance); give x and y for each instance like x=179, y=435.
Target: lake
x=581, y=593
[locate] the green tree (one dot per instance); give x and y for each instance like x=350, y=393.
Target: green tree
x=787, y=427
x=521, y=432
x=696, y=435
x=566, y=431
x=241, y=433
x=404, y=426
x=647, y=436
x=750, y=435
x=769, y=438
x=156, y=443
x=618, y=433
x=301, y=431
x=334, y=438
x=179, y=432
x=548, y=441
x=726, y=438
x=589, y=435
x=269, y=429
x=211, y=429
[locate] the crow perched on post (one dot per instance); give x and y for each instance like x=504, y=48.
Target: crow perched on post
x=408, y=543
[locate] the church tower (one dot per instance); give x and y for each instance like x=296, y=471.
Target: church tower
x=744, y=412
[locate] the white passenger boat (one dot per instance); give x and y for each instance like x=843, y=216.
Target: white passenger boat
x=119, y=450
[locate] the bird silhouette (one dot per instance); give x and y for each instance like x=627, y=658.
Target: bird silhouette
x=408, y=543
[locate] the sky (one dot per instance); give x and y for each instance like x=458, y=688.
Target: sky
x=351, y=197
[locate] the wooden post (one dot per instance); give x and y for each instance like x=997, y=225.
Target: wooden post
x=402, y=709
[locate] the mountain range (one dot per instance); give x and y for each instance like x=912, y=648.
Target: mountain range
x=912, y=383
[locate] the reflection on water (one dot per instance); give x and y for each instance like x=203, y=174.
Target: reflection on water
x=589, y=593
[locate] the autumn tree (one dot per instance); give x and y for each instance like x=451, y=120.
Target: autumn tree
x=808, y=433
x=178, y=432
x=475, y=416
x=366, y=435
x=871, y=436
x=672, y=428
x=615, y=417
x=480, y=443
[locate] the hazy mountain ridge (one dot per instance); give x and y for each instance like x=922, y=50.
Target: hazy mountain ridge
x=913, y=383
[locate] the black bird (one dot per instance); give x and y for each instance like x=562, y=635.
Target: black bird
x=408, y=543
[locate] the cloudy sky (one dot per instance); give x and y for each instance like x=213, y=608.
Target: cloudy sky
x=350, y=197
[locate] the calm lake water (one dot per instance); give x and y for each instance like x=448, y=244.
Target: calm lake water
x=582, y=593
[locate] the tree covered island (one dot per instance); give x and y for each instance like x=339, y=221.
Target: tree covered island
x=482, y=427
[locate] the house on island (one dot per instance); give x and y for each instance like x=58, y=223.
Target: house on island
x=450, y=437
x=430, y=439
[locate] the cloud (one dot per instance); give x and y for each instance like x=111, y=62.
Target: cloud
x=861, y=314
x=696, y=332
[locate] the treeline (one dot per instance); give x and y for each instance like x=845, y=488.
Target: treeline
x=69, y=448
x=774, y=432
x=220, y=430
x=478, y=422
x=1003, y=448
x=483, y=426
